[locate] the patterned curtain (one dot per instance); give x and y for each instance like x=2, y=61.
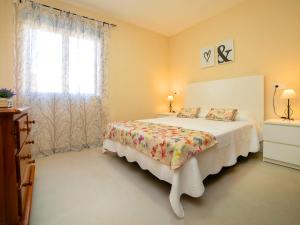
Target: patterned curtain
x=60, y=74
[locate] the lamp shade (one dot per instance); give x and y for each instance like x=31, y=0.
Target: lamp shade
x=288, y=94
x=170, y=98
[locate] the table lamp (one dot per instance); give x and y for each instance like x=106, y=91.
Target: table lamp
x=288, y=94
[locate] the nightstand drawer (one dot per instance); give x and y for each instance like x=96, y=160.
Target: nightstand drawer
x=282, y=134
x=280, y=152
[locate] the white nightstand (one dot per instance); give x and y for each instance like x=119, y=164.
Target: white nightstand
x=282, y=142
x=166, y=114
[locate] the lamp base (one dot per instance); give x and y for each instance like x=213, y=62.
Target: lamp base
x=170, y=107
x=285, y=118
x=288, y=112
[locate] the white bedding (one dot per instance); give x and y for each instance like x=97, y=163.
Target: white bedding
x=234, y=139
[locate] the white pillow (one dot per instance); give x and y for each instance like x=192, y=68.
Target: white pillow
x=203, y=113
x=242, y=116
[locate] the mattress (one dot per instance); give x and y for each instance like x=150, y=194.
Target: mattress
x=235, y=139
x=219, y=129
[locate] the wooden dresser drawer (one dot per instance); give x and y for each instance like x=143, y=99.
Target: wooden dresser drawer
x=25, y=192
x=22, y=130
x=282, y=134
x=23, y=160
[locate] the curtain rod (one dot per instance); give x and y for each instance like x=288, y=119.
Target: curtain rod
x=103, y=22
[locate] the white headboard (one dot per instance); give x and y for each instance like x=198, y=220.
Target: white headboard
x=244, y=93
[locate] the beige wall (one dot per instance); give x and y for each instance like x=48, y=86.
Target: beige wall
x=6, y=44
x=144, y=66
x=138, y=64
x=266, y=36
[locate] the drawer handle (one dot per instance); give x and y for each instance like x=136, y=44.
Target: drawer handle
x=31, y=161
x=25, y=129
x=26, y=184
x=29, y=142
x=28, y=156
x=31, y=121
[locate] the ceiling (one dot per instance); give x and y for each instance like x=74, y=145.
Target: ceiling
x=167, y=17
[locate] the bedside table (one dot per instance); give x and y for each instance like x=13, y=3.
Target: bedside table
x=282, y=142
x=166, y=114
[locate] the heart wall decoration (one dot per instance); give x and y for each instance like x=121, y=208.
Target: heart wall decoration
x=207, y=57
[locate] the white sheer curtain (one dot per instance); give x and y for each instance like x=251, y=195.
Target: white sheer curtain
x=60, y=73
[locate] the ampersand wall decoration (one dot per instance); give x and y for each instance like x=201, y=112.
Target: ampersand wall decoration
x=225, y=52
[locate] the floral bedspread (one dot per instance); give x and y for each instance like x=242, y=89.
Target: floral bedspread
x=170, y=145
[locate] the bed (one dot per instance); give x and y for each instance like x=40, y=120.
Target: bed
x=234, y=139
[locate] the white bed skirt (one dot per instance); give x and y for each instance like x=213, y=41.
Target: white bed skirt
x=188, y=179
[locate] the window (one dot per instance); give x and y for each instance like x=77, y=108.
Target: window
x=81, y=66
x=47, y=50
x=63, y=64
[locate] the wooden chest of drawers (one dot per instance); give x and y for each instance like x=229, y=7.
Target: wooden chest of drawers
x=16, y=166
